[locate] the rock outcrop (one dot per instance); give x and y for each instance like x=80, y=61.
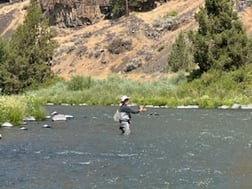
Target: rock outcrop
x=74, y=13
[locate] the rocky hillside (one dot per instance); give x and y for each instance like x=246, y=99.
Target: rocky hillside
x=135, y=47
x=11, y=15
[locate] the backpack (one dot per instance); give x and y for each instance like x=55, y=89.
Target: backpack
x=117, y=116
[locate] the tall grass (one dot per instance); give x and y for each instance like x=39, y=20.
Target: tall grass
x=208, y=92
x=105, y=92
x=14, y=108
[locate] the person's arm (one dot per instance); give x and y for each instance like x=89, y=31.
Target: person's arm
x=130, y=110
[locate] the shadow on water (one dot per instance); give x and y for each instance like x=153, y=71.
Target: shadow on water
x=168, y=148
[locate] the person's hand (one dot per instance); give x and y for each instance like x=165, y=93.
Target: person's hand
x=142, y=109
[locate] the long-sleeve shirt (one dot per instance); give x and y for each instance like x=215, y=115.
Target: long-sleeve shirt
x=125, y=112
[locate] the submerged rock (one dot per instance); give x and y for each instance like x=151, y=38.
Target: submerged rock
x=153, y=114
x=46, y=126
x=23, y=128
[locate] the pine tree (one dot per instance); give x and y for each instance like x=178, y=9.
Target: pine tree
x=220, y=42
x=30, y=49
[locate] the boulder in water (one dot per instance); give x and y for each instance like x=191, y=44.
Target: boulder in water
x=59, y=117
x=7, y=124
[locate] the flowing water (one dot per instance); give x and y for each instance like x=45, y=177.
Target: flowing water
x=167, y=149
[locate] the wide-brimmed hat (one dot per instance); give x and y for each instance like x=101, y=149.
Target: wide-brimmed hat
x=123, y=98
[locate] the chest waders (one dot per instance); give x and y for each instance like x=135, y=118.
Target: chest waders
x=124, y=123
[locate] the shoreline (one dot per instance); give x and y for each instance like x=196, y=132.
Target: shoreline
x=233, y=107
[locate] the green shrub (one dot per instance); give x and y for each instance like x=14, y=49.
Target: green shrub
x=79, y=83
x=173, y=13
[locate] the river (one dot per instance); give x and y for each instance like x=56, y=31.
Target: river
x=167, y=149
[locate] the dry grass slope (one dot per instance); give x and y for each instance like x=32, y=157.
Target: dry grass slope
x=84, y=51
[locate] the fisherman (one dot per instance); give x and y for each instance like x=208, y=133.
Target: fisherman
x=125, y=115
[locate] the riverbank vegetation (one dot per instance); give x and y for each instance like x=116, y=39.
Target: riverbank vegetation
x=207, y=92
x=14, y=109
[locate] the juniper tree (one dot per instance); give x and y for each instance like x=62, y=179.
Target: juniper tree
x=180, y=56
x=220, y=42
x=30, y=49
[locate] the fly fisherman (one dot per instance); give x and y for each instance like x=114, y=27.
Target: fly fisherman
x=125, y=115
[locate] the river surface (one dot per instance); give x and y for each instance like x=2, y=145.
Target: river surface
x=167, y=149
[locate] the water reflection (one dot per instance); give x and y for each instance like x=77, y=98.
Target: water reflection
x=168, y=148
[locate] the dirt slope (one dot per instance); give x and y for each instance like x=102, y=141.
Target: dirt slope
x=246, y=17
x=84, y=51
x=133, y=27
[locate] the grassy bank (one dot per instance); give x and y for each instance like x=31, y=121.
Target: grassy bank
x=14, y=108
x=208, y=92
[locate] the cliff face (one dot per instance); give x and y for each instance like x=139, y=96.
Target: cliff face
x=74, y=13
